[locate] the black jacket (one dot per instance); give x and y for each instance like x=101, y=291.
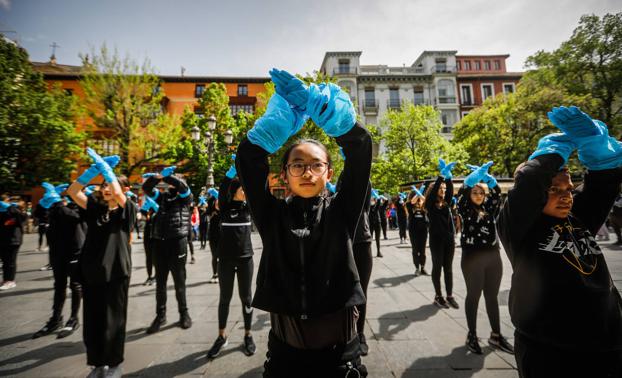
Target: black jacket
x=12, y=226
x=171, y=220
x=41, y=215
x=479, y=231
x=374, y=214
x=417, y=218
x=551, y=301
x=441, y=219
x=66, y=233
x=235, y=225
x=307, y=266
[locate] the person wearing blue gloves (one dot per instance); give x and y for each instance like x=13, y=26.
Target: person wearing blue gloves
x=481, y=260
x=12, y=220
x=442, y=230
x=169, y=234
x=402, y=215
x=417, y=228
x=563, y=303
x=105, y=263
x=307, y=278
x=149, y=211
x=375, y=219
x=213, y=230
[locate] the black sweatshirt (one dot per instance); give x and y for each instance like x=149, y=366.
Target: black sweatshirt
x=441, y=218
x=551, y=301
x=307, y=267
x=66, y=233
x=235, y=225
x=11, y=226
x=417, y=218
x=479, y=231
x=173, y=216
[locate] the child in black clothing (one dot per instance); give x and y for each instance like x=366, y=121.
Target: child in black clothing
x=417, y=229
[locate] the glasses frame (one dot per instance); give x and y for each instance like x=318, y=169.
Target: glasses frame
x=325, y=166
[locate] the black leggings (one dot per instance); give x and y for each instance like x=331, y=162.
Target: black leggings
x=148, y=244
x=213, y=246
x=190, y=241
x=226, y=274
x=375, y=230
x=170, y=255
x=62, y=271
x=418, y=238
x=401, y=223
x=203, y=235
x=482, y=272
x=442, y=251
x=383, y=225
x=9, y=262
x=43, y=229
x=364, y=261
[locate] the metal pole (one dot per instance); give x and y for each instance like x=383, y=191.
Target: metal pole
x=210, y=168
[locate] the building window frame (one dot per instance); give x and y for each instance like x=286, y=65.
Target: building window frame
x=463, y=114
x=492, y=90
x=242, y=90
x=471, y=94
x=477, y=65
x=497, y=65
x=487, y=65
x=509, y=83
x=467, y=65
x=198, y=90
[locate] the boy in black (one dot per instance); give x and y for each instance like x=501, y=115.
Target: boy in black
x=12, y=220
x=417, y=228
x=563, y=303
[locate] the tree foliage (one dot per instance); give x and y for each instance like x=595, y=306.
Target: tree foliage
x=38, y=139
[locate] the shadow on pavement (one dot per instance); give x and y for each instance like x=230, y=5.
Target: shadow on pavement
x=171, y=369
x=391, y=325
x=393, y=281
x=23, y=292
x=15, y=340
x=459, y=359
x=139, y=333
x=41, y=356
x=262, y=321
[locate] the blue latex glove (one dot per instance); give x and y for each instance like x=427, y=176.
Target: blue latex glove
x=278, y=123
x=232, y=172
x=4, y=206
x=89, y=190
x=478, y=174
x=417, y=191
x=291, y=88
x=331, y=109
x=149, y=174
x=50, y=197
x=129, y=194
x=557, y=143
x=600, y=151
x=454, y=201
x=343, y=156
x=422, y=188
x=382, y=197
x=168, y=171
x=445, y=169
x=331, y=187
x=151, y=204
x=402, y=196
x=61, y=188
x=202, y=200
x=92, y=171
x=374, y=194
x=490, y=180
x=103, y=167
x=213, y=192
x=573, y=122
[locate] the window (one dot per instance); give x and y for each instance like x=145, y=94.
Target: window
x=236, y=109
x=370, y=98
x=459, y=65
x=466, y=95
x=199, y=112
x=104, y=146
x=487, y=91
x=446, y=93
x=242, y=90
x=69, y=92
x=477, y=65
x=467, y=65
x=497, y=65
x=508, y=87
x=394, y=98
x=344, y=66
x=487, y=65
x=441, y=64
x=448, y=118
x=198, y=90
x=464, y=114
x=419, y=98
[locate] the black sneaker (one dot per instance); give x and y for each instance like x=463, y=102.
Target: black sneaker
x=424, y=272
x=440, y=302
x=249, y=345
x=52, y=325
x=158, y=322
x=379, y=255
x=219, y=344
x=147, y=281
x=501, y=343
x=184, y=320
x=363, y=344
x=452, y=302
x=472, y=342
x=71, y=325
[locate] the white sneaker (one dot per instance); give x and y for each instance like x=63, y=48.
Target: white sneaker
x=417, y=272
x=98, y=372
x=114, y=372
x=8, y=285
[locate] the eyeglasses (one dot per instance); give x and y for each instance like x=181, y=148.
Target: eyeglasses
x=558, y=192
x=478, y=193
x=298, y=169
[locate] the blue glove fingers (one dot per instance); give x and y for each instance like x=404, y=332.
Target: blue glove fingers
x=112, y=160
x=168, y=171
x=149, y=174
x=49, y=188
x=441, y=164
x=472, y=167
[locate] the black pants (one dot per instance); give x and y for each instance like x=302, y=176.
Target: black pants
x=383, y=225
x=482, y=272
x=137, y=227
x=42, y=229
x=442, y=251
x=418, y=238
x=364, y=261
x=401, y=223
x=535, y=360
x=63, y=271
x=375, y=230
x=227, y=269
x=190, y=241
x=9, y=262
x=148, y=244
x=213, y=246
x=616, y=223
x=105, y=315
x=203, y=235
x=170, y=256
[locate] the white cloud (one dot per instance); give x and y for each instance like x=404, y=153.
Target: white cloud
x=6, y=4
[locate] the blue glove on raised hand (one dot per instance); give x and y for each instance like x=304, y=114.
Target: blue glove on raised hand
x=202, y=200
x=92, y=171
x=478, y=174
x=149, y=174
x=213, y=192
x=291, y=88
x=557, y=143
x=102, y=166
x=129, y=194
x=50, y=197
x=331, y=109
x=168, y=171
x=445, y=169
x=89, y=190
x=417, y=191
x=150, y=204
x=278, y=123
x=601, y=151
x=422, y=188
x=61, y=188
x=374, y=194
x=232, y=172
x=4, y=206
x=573, y=122
x=331, y=187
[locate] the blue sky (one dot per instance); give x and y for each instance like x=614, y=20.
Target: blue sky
x=247, y=38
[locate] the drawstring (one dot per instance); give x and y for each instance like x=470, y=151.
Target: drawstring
x=351, y=369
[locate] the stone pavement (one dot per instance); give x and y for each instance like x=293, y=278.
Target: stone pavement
x=407, y=335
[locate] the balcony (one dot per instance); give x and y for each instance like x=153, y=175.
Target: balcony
x=443, y=68
x=394, y=104
x=468, y=102
x=344, y=70
x=370, y=106
x=446, y=99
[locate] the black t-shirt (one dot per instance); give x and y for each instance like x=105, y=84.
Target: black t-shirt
x=106, y=254
x=67, y=231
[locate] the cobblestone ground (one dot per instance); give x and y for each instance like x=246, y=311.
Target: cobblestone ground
x=407, y=335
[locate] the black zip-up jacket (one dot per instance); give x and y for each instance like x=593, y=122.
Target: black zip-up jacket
x=479, y=231
x=400, y=211
x=441, y=219
x=374, y=214
x=66, y=233
x=11, y=226
x=41, y=214
x=383, y=209
x=171, y=221
x=307, y=267
x=551, y=301
x=417, y=218
x=235, y=225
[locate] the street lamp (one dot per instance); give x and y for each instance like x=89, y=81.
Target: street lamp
x=210, y=144
x=228, y=137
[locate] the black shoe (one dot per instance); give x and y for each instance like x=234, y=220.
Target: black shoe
x=192, y=260
x=423, y=272
x=379, y=255
x=501, y=343
x=440, y=302
x=158, y=322
x=184, y=320
x=363, y=344
x=148, y=281
x=52, y=325
x=71, y=325
x=452, y=302
x=249, y=345
x=219, y=344
x=472, y=342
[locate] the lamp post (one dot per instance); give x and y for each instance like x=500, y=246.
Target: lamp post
x=210, y=146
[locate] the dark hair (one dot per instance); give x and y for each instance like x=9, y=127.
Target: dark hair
x=123, y=181
x=233, y=187
x=298, y=143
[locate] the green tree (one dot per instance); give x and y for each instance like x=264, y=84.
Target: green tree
x=590, y=62
x=38, y=138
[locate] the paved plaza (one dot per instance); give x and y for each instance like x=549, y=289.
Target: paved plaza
x=407, y=335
